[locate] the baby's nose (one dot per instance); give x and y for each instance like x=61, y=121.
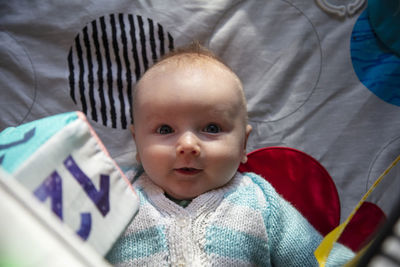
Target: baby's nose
x=188, y=144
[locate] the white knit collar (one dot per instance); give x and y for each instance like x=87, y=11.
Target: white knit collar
x=203, y=203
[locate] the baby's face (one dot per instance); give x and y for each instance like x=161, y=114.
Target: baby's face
x=190, y=128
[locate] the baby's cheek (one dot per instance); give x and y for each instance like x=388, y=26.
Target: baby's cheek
x=153, y=155
x=225, y=157
x=229, y=149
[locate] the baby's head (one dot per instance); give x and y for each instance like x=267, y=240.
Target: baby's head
x=190, y=123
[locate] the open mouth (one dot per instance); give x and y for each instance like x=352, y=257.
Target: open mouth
x=188, y=171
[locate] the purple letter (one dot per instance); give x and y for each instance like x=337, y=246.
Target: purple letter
x=86, y=225
x=51, y=187
x=100, y=198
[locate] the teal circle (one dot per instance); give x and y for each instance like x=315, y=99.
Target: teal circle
x=385, y=21
x=375, y=64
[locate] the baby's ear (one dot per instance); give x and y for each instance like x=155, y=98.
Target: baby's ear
x=132, y=128
x=248, y=131
x=137, y=158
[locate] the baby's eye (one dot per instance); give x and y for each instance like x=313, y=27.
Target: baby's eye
x=165, y=129
x=212, y=128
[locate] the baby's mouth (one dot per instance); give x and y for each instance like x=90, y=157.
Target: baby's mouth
x=188, y=171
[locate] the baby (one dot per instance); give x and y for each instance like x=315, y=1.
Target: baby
x=190, y=128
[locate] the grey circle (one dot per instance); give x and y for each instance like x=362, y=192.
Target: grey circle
x=283, y=69
x=17, y=81
x=389, y=187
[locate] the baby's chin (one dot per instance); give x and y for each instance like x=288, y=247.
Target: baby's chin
x=187, y=195
x=183, y=196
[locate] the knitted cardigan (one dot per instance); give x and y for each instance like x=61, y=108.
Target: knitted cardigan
x=244, y=223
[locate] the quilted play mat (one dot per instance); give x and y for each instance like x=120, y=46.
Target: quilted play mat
x=322, y=80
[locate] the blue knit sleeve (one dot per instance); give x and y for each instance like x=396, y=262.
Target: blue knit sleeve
x=292, y=239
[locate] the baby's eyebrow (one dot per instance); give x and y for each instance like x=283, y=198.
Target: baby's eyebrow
x=154, y=117
x=225, y=109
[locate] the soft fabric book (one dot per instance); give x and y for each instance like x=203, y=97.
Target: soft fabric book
x=63, y=163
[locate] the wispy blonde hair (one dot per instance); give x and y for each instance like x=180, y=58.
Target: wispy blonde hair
x=191, y=54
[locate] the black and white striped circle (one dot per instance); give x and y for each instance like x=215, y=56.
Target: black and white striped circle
x=107, y=58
